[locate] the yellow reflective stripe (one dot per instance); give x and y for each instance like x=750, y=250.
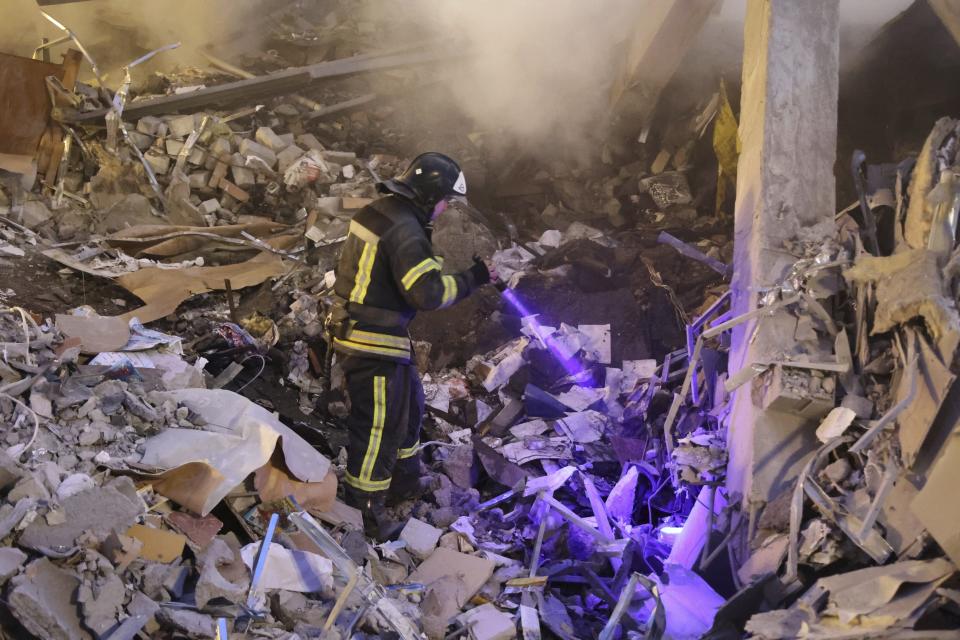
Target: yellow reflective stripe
x=366, y=485
x=376, y=433
x=408, y=453
x=364, y=266
x=363, y=233
x=449, y=291
x=382, y=339
x=383, y=351
x=414, y=274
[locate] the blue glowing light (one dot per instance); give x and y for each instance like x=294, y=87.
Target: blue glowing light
x=571, y=365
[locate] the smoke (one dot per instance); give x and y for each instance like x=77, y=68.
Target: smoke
x=535, y=72
x=118, y=31
x=538, y=71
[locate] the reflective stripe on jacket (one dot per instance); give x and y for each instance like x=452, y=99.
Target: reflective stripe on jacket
x=386, y=273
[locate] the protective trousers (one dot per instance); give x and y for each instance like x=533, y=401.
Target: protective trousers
x=386, y=409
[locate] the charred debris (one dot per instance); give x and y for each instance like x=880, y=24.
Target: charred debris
x=170, y=456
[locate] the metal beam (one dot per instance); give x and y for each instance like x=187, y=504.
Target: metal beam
x=281, y=82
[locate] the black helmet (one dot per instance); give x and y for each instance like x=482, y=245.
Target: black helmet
x=430, y=178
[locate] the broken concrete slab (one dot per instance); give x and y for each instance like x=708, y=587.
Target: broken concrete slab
x=98, y=511
x=420, y=537
x=34, y=213
x=11, y=560
x=251, y=148
x=936, y=505
x=212, y=584
x=486, y=622
x=191, y=623
x=42, y=600
x=458, y=237
x=102, y=603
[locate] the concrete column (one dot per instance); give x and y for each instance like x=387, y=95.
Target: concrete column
x=785, y=190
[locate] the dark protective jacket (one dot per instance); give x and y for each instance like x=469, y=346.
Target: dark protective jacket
x=386, y=273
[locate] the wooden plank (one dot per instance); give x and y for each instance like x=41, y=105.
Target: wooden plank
x=24, y=106
x=653, y=54
x=71, y=65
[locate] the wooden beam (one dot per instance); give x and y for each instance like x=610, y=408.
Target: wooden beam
x=654, y=52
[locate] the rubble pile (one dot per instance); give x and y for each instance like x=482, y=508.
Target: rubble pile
x=146, y=499
x=172, y=471
x=863, y=544
x=93, y=454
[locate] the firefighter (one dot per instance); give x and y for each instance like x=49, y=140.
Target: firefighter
x=386, y=273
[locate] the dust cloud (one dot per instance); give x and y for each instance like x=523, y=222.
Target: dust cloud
x=534, y=71
x=118, y=31
x=538, y=71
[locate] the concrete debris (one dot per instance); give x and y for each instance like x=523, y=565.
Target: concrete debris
x=420, y=538
x=212, y=584
x=43, y=600
x=11, y=561
x=96, y=512
x=167, y=360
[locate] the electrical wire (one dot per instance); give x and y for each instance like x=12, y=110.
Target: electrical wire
x=263, y=365
x=36, y=426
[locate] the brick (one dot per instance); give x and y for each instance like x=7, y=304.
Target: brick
x=173, y=147
x=243, y=177
x=309, y=141
x=269, y=139
x=288, y=156
x=181, y=126
x=221, y=146
x=234, y=191
x=151, y=126
x=251, y=148
x=219, y=173
x=340, y=157
x=209, y=206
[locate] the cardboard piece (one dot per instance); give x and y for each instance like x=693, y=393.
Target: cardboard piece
x=917, y=418
x=275, y=484
x=203, y=466
x=936, y=506
x=132, y=240
x=877, y=597
x=96, y=333
x=465, y=573
x=339, y=513
x=164, y=289
x=158, y=545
